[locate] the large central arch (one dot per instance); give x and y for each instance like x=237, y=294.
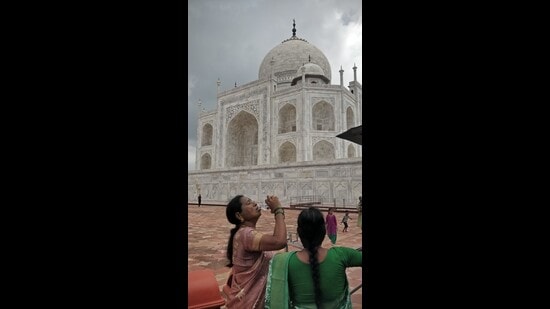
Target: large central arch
x=242, y=141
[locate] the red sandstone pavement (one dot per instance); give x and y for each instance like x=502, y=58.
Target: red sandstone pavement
x=208, y=233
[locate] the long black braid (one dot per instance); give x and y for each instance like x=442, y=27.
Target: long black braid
x=311, y=230
x=231, y=211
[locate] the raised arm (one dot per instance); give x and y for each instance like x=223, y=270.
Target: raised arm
x=276, y=241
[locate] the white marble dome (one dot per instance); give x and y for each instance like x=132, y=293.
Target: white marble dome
x=290, y=55
x=311, y=69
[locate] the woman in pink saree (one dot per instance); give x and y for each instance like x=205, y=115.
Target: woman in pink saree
x=248, y=251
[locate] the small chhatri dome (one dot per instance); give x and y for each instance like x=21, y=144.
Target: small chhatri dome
x=310, y=70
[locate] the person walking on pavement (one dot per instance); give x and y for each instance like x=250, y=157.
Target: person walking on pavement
x=332, y=226
x=345, y=221
x=199, y=198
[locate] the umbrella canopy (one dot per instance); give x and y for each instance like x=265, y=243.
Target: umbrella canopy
x=354, y=135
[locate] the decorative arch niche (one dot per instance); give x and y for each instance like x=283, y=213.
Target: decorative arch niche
x=323, y=116
x=351, y=151
x=242, y=141
x=287, y=152
x=349, y=118
x=206, y=162
x=287, y=119
x=207, y=135
x=323, y=150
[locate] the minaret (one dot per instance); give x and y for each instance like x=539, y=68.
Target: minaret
x=218, y=83
x=199, y=105
x=341, y=76
x=354, y=73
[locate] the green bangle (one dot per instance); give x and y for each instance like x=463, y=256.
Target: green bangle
x=281, y=212
x=274, y=210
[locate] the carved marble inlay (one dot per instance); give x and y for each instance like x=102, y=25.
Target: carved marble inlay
x=251, y=107
x=286, y=75
x=316, y=139
x=322, y=189
x=315, y=100
x=339, y=173
x=283, y=103
x=284, y=140
x=246, y=95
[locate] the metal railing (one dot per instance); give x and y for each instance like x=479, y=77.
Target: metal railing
x=322, y=201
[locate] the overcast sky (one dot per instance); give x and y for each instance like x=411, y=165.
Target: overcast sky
x=228, y=39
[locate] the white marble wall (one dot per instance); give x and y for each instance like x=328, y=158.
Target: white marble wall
x=339, y=179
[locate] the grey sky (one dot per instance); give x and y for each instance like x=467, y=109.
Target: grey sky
x=228, y=39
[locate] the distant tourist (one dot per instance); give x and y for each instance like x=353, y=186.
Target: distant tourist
x=332, y=226
x=249, y=251
x=314, y=277
x=345, y=221
x=199, y=198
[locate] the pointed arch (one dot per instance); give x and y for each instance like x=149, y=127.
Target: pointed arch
x=206, y=162
x=350, y=118
x=323, y=150
x=351, y=151
x=287, y=119
x=323, y=116
x=207, y=135
x=242, y=141
x=287, y=152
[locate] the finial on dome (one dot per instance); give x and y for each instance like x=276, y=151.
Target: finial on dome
x=309, y=56
x=293, y=27
x=235, y=84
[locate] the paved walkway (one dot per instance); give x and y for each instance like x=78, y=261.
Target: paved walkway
x=208, y=233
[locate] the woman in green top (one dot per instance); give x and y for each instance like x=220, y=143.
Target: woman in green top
x=314, y=277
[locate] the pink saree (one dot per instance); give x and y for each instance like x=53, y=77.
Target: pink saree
x=249, y=273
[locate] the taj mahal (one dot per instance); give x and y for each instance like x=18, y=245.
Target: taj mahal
x=277, y=134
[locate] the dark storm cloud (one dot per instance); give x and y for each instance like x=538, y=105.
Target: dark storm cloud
x=229, y=39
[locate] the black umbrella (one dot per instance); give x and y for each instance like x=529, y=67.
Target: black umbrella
x=354, y=135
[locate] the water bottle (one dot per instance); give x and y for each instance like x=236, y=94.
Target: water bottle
x=263, y=206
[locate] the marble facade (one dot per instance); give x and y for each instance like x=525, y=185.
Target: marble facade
x=277, y=134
